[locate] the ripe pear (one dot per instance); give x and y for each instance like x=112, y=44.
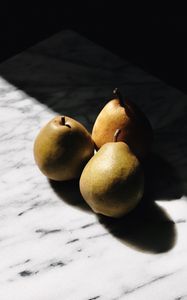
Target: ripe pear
x=112, y=182
x=136, y=130
x=62, y=148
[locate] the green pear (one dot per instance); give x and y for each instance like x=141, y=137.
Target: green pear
x=112, y=182
x=62, y=148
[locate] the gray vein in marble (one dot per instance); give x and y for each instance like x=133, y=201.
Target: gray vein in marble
x=57, y=264
x=45, y=232
x=184, y=297
x=72, y=241
x=88, y=225
x=144, y=285
x=26, y=273
x=21, y=263
x=98, y=235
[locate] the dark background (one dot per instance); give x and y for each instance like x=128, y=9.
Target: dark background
x=156, y=43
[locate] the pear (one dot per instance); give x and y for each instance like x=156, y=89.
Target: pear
x=112, y=182
x=136, y=130
x=62, y=148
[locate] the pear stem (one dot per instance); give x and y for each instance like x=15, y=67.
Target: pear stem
x=116, y=134
x=118, y=95
x=62, y=120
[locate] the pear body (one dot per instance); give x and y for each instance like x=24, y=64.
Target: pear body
x=136, y=130
x=62, y=150
x=112, y=182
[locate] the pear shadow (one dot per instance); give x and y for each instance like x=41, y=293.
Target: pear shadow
x=162, y=181
x=68, y=191
x=147, y=228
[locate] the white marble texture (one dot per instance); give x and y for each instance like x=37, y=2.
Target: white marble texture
x=52, y=246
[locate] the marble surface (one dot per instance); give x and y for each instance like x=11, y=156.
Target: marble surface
x=52, y=246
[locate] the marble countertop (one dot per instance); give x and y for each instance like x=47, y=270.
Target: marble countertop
x=52, y=246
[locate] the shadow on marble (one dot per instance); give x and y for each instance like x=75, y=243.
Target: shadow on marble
x=162, y=181
x=147, y=228
x=68, y=191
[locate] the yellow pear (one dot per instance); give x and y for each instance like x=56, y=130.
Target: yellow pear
x=62, y=148
x=112, y=182
x=135, y=128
